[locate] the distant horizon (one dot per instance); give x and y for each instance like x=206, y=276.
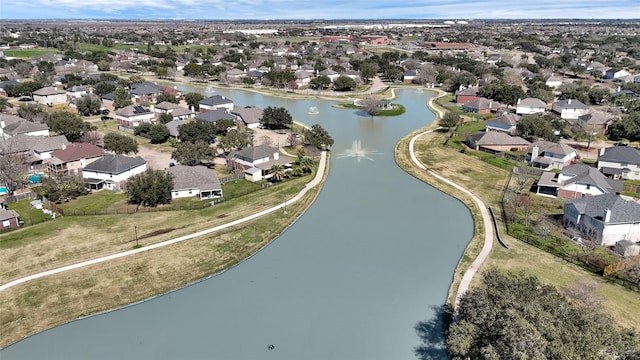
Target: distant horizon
x=314, y=10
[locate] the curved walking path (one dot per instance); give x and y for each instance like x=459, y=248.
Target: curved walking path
x=316, y=180
x=486, y=216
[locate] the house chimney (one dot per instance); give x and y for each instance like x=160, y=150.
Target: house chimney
x=606, y=217
x=276, y=155
x=601, y=151
x=534, y=152
x=2, y=124
x=569, y=102
x=519, y=101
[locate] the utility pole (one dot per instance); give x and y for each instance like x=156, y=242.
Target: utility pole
x=135, y=229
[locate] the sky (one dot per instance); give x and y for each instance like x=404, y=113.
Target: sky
x=318, y=9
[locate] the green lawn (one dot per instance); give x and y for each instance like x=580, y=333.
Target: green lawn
x=29, y=53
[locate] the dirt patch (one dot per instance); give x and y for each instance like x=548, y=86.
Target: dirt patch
x=157, y=232
x=157, y=160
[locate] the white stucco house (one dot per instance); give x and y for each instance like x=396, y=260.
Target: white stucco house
x=603, y=219
x=569, y=109
x=620, y=162
x=530, y=106
x=216, y=102
x=112, y=171
x=134, y=115
x=549, y=155
x=50, y=96
x=194, y=181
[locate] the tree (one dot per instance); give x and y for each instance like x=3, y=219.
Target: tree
x=371, y=105
x=103, y=88
x=321, y=82
x=280, y=78
x=516, y=316
x=276, y=118
x=23, y=68
x=150, y=189
x=4, y=103
x=306, y=164
x=62, y=187
x=120, y=144
x=627, y=127
x=192, y=154
x=502, y=92
x=88, y=105
x=165, y=118
x=68, y=124
x=197, y=130
x=167, y=97
x=344, y=83
x=13, y=167
x=121, y=98
x=368, y=70
x=92, y=137
x=462, y=79
x=234, y=139
x=32, y=112
x=158, y=134
x=317, y=136
x=277, y=172
x=537, y=126
x=193, y=100
x=450, y=120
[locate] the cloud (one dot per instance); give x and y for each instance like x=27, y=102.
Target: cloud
x=329, y=9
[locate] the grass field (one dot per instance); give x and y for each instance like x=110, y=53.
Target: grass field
x=29, y=53
x=46, y=302
x=486, y=181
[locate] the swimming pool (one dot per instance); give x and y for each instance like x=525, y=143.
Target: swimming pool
x=35, y=178
x=3, y=190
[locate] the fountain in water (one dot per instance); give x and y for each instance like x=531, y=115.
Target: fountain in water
x=313, y=110
x=358, y=152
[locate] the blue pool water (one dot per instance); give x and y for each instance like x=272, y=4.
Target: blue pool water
x=3, y=190
x=35, y=178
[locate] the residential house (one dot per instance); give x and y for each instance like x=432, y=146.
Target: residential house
x=50, y=96
x=409, y=76
x=173, y=126
x=9, y=219
x=594, y=123
x=614, y=73
x=554, y=81
x=72, y=158
x=506, y=122
x=12, y=125
x=176, y=111
x=465, y=95
x=112, y=171
x=76, y=91
x=216, y=102
x=496, y=141
x=250, y=115
x=620, y=162
x=302, y=78
x=482, y=106
x=215, y=115
x=332, y=75
x=603, y=219
x=7, y=84
x=576, y=181
x=352, y=74
x=134, y=115
x=549, y=155
x=35, y=148
x=194, y=181
x=569, y=109
x=145, y=92
x=235, y=75
x=262, y=157
x=530, y=106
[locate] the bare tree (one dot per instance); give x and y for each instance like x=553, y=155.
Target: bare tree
x=13, y=167
x=371, y=105
x=266, y=140
x=92, y=137
x=427, y=74
x=584, y=291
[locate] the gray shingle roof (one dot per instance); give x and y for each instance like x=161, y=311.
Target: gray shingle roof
x=14, y=125
x=585, y=174
x=40, y=144
x=250, y=115
x=548, y=146
x=496, y=138
x=569, y=104
x=115, y=164
x=532, y=102
x=622, y=211
x=145, y=88
x=214, y=115
x=621, y=154
x=191, y=177
x=215, y=100
x=46, y=91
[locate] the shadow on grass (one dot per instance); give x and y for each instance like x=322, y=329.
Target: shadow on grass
x=431, y=333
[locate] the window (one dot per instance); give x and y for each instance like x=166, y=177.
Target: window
x=6, y=223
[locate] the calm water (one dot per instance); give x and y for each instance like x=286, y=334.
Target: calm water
x=349, y=280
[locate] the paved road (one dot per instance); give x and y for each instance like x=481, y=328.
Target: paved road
x=316, y=180
x=486, y=217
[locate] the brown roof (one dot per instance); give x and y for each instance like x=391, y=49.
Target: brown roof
x=77, y=151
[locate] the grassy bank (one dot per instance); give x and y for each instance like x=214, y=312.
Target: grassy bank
x=43, y=303
x=486, y=180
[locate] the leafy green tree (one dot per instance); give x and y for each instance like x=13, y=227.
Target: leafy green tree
x=193, y=70
x=317, y=136
x=464, y=79
x=197, y=130
x=121, y=98
x=539, y=126
x=306, y=164
x=276, y=118
x=301, y=153
x=516, y=316
x=4, y=103
x=167, y=97
x=103, y=88
x=63, y=187
x=627, y=127
x=344, y=83
x=450, y=120
x=321, y=82
x=158, y=134
x=88, y=105
x=223, y=125
x=574, y=91
x=502, y=92
x=192, y=154
x=120, y=144
x=150, y=189
x=32, y=112
x=68, y=124
x=598, y=95
x=277, y=172
x=234, y=140
x=368, y=70
x=280, y=78
x=193, y=100
x=165, y=118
